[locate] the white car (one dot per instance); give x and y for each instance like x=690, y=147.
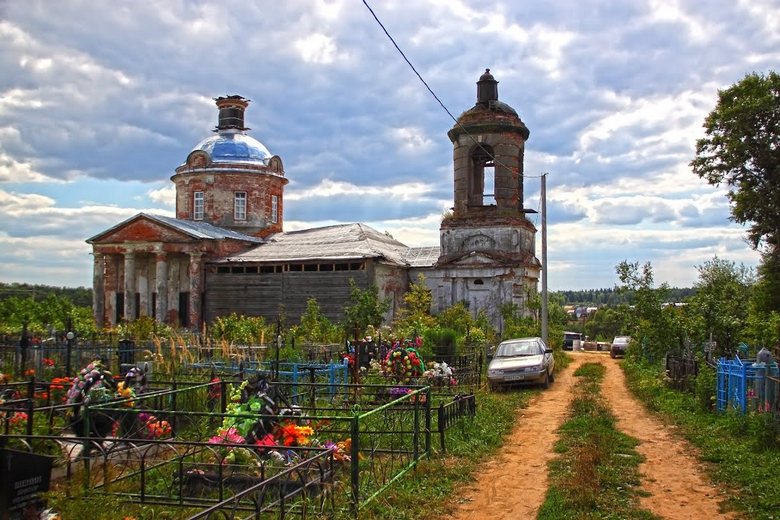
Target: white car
x=521, y=361
x=619, y=345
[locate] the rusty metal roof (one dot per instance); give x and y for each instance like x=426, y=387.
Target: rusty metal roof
x=199, y=230
x=202, y=229
x=338, y=243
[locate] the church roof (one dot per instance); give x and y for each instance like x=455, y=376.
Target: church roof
x=422, y=256
x=195, y=229
x=233, y=147
x=338, y=242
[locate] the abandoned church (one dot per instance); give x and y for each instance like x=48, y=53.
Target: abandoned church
x=226, y=250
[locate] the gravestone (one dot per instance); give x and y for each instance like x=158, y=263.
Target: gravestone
x=24, y=476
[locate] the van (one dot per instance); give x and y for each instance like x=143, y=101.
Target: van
x=569, y=338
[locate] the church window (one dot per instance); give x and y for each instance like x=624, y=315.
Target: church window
x=197, y=205
x=274, y=209
x=239, y=206
x=482, y=179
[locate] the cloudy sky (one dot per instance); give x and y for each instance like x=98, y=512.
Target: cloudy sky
x=100, y=101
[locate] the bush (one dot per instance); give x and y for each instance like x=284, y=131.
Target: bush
x=704, y=387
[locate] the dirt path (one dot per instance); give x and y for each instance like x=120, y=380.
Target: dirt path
x=671, y=473
x=513, y=485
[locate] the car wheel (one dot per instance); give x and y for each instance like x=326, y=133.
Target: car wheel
x=552, y=376
x=546, y=383
x=612, y=355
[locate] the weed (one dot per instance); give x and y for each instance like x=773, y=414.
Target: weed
x=596, y=473
x=743, y=450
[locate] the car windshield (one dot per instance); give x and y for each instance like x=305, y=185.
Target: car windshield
x=621, y=340
x=518, y=348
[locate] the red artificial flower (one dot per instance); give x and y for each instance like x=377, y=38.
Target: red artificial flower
x=267, y=440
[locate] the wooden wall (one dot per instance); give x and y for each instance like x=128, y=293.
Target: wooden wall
x=262, y=294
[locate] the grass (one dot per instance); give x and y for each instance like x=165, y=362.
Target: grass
x=427, y=494
x=742, y=451
x=596, y=472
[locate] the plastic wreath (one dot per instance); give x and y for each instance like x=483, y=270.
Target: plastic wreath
x=94, y=384
x=403, y=363
x=260, y=418
x=252, y=398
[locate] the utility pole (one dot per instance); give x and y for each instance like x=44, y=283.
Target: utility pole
x=543, y=196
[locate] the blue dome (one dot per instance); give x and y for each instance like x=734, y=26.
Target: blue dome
x=234, y=147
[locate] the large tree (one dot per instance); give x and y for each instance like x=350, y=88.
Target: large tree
x=741, y=149
x=721, y=303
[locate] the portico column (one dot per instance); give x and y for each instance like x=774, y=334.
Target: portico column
x=161, y=281
x=99, y=289
x=130, y=311
x=196, y=287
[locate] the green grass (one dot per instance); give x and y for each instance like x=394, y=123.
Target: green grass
x=428, y=492
x=596, y=473
x=742, y=451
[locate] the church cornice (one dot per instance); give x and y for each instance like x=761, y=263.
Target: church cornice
x=488, y=128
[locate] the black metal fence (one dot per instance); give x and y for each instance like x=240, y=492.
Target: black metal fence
x=681, y=372
x=452, y=413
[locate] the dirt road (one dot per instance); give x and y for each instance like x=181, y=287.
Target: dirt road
x=514, y=484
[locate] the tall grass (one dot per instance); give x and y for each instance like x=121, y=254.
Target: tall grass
x=596, y=472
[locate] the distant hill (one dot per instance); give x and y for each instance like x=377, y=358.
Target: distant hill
x=79, y=296
x=596, y=297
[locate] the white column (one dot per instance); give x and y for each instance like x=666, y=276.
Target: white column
x=98, y=289
x=130, y=311
x=196, y=287
x=161, y=281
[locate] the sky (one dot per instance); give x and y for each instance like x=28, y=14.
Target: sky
x=100, y=101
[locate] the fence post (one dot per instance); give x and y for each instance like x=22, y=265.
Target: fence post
x=441, y=427
x=416, y=430
x=428, y=421
x=353, y=464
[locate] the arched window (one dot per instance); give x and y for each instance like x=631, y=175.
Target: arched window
x=483, y=176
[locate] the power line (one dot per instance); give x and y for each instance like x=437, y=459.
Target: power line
x=495, y=161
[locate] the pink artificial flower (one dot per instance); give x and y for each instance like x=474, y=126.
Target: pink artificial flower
x=229, y=436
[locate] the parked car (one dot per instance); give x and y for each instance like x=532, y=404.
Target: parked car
x=568, y=339
x=521, y=361
x=619, y=345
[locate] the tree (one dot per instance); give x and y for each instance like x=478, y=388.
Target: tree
x=607, y=323
x=722, y=302
x=415, y=316
x=741, y=149
x=314, y=326
x=657, y=327
x=365, y=308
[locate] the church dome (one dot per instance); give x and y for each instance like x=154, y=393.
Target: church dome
x=231, y=146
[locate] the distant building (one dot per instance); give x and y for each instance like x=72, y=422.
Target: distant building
x=226, y=250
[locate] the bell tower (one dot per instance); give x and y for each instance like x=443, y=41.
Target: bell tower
x=487, y=243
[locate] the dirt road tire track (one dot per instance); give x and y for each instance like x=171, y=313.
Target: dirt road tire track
x=521, y=465
x=671, y=474
x=675, y=479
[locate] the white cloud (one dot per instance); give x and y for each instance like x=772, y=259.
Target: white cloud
x=165, y=196
x=411, y=140
x=317, y=48
x=328, y=189
x=614, y=95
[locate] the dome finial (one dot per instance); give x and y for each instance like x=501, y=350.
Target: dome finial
x=487, y=88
